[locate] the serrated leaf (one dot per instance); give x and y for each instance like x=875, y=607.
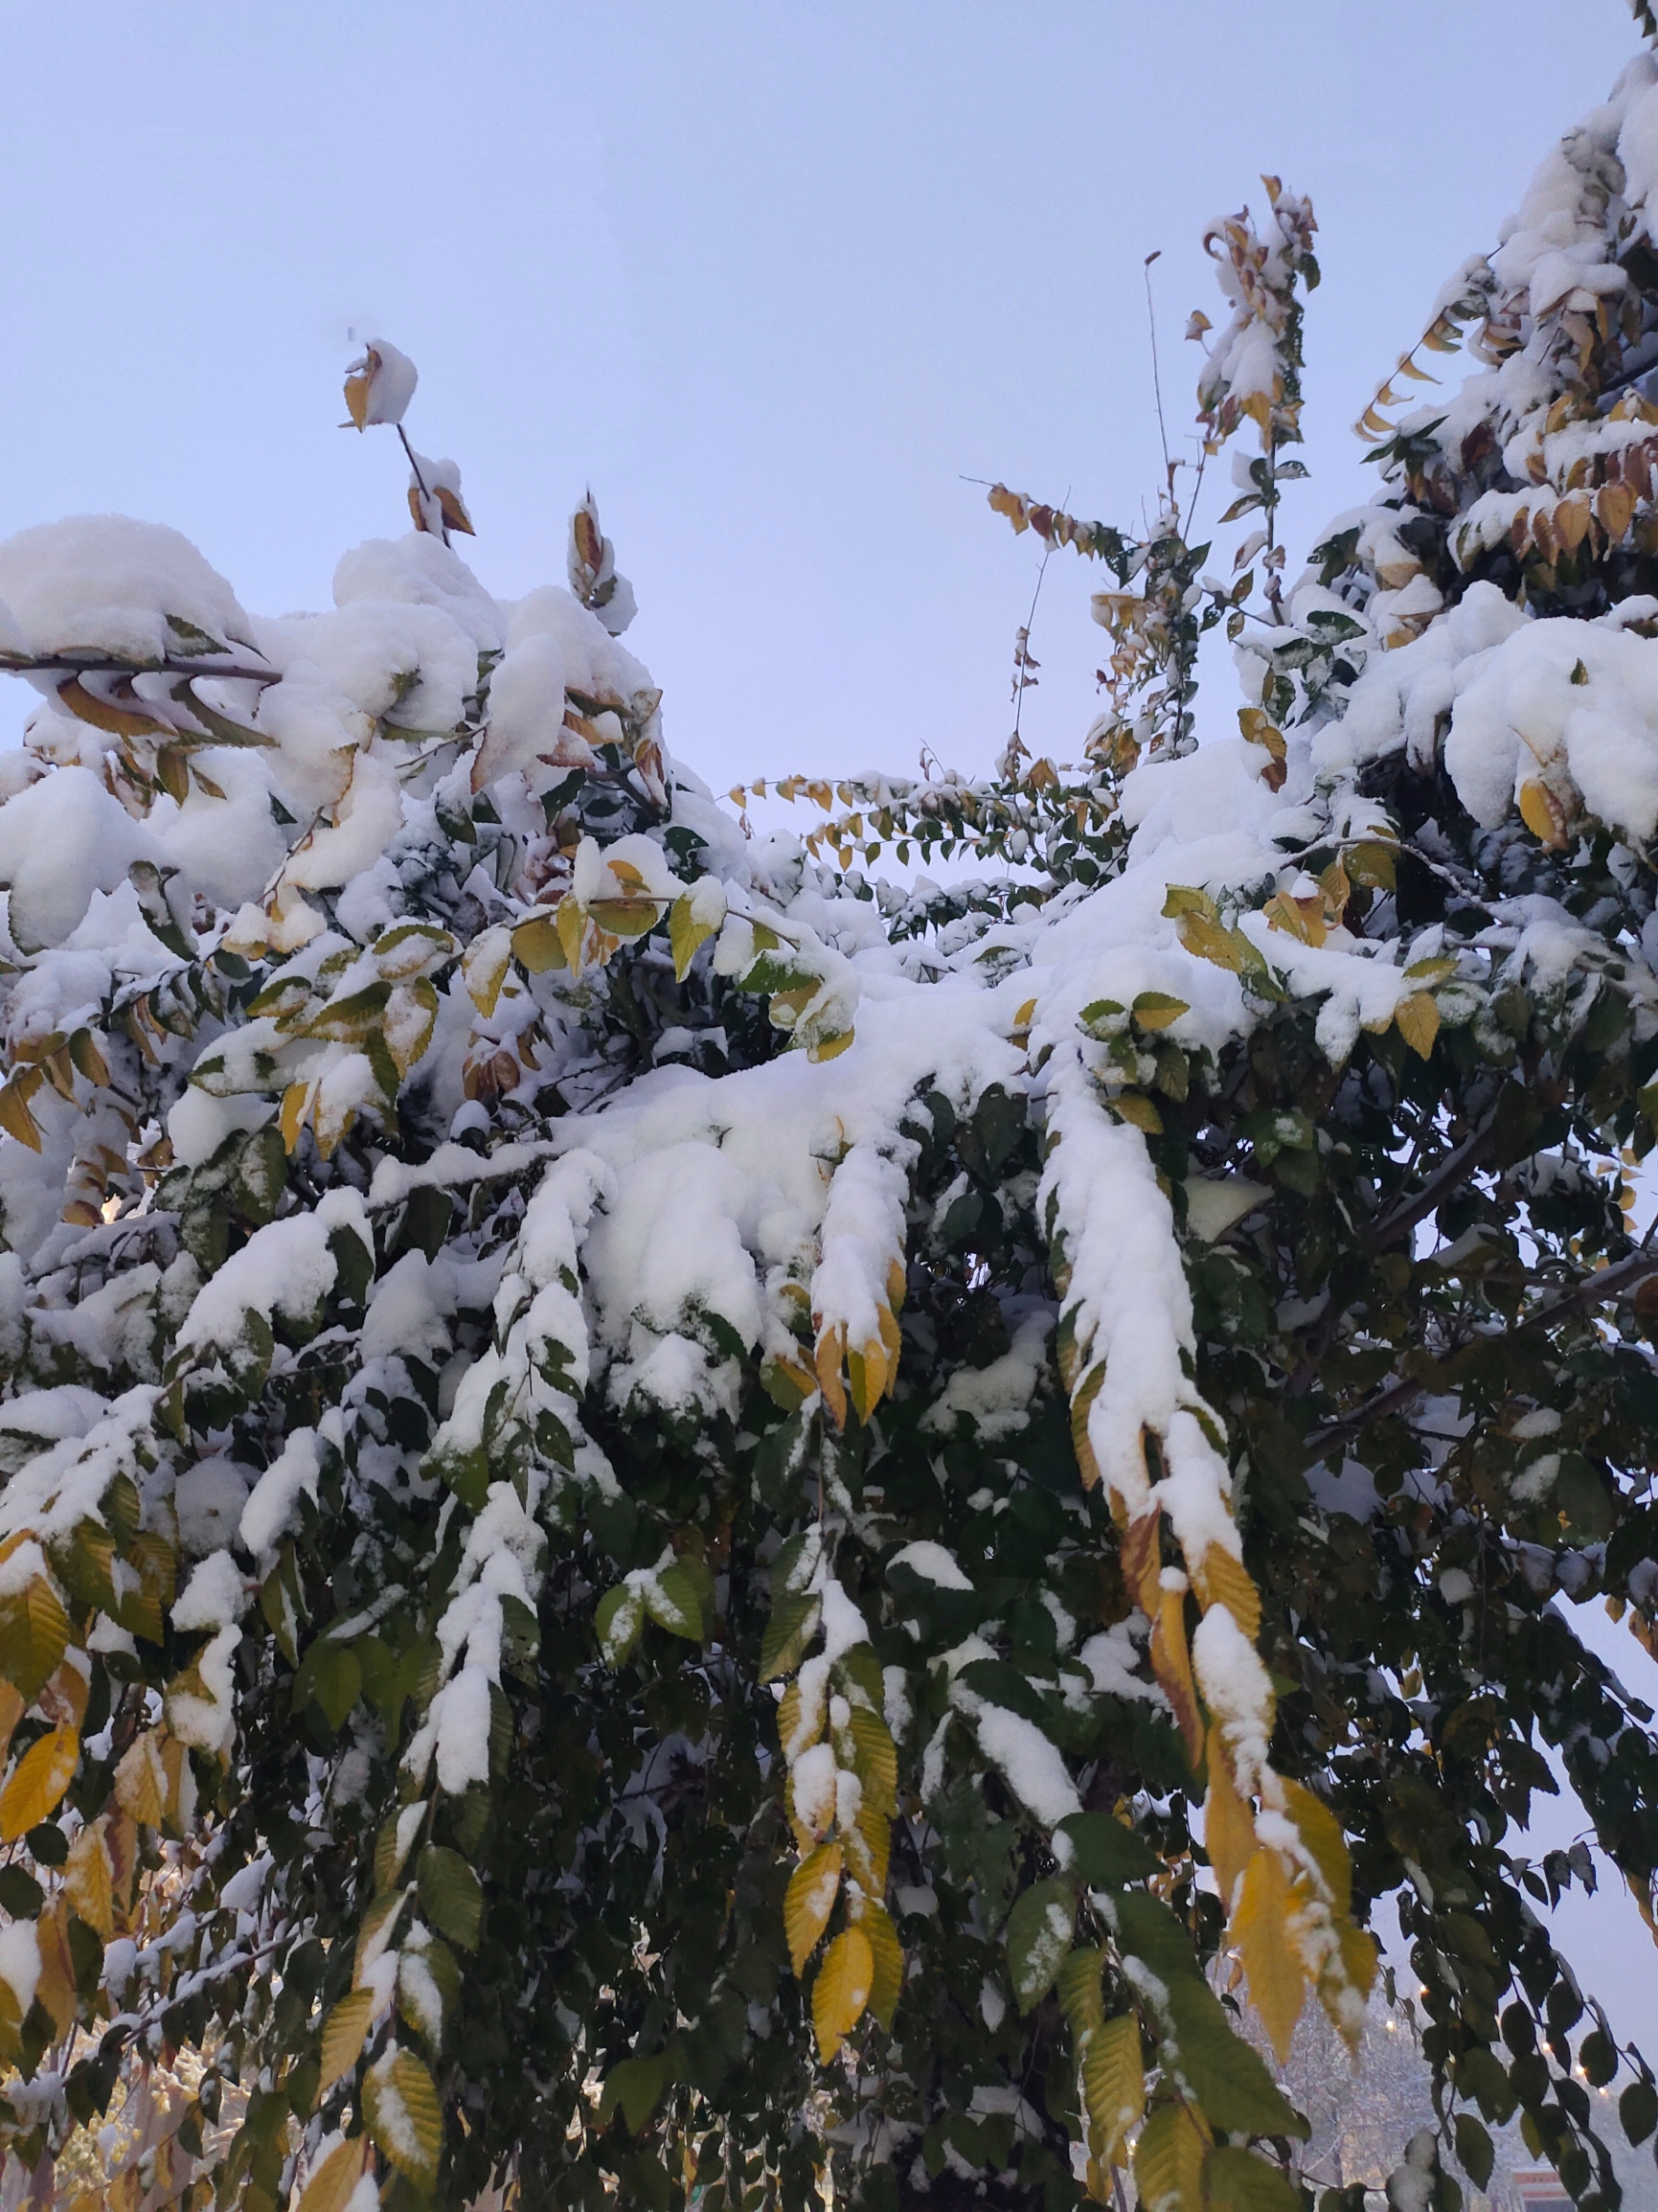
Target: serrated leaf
x=332, y=2187
x=403, y=2116
x=1080, y=1990
x=1226, y=2075
x=888, y=1954
x=842, y=1989
x=793, y=1623
x=539, y=944
x=38, y=1781
x=1260, y=1928
x=345, y=2032
x=1221, y=1580
x=1112, y=2072
x=874, y=1760
x=141, y=1782
x=33, y=1636
x=1039, y=1936
x=809, y=1900
x=636, y=2085
x=1168, y=2161
x=451, y=1895
x=1138, y=1110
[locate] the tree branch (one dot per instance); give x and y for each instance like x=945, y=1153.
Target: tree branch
x=1599, y=1289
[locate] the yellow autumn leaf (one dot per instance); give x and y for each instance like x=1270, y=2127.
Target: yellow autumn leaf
x=841, y=1990
x=16, y=1119
x=829, y=1047
x=1113, y=2077
x=1419, y=1021
x=405, y=2117
x=685, y=934
x=1261, y=1929
x=1543, y=813
x=887, y=1985
x=1221, y=1580
x=1228, y=1824
x=1136, y=1108
x=1168, y=2161
x=89, y=1880
x=874, y=1760
x=141, y=1783
x=1171, y=1664
x=11, y=1713
x=539, y=944
x=332, y=2187
x=1321, y=1831
x=345, y=2032
x=1210, y=940
x=56, y=1987
x=483, y=967
x=867, y=1372
x=809, y=1900
x=37, y=1782
x=1350, y=1972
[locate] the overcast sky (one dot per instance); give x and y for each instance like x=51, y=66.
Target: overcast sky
x=773, y=278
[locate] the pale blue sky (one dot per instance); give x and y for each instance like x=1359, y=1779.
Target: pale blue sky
x=772, y=278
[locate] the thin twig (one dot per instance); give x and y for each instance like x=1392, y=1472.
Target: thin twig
x=1156, y=376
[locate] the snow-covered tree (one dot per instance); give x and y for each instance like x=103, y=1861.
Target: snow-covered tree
x=680, y=1517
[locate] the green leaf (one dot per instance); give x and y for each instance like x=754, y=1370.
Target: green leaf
x=1228, y=2077
x=636, y=2086
x=617, y=1621
x=1247, y=2184
x=1474, y=2152
x=451, y=1896
x=1105, y=1855
x=331, y=1676
x=793, y=1621
x=1039, y=1939
x=33, y=1636
x=672, y=1601
x=1638, y=2110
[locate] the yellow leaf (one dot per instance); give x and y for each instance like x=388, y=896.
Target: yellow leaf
x=483, y=967
x=876, y=1759
x=867, y=1847
x=1260, y=1928
x=887, y=1983
x=1350, y=1974
x=37, y=1782
x=1220, y=1580
x=56, y=1987
x=539, y=944
x=809, y=1900
x=331, y=2187
x=16, y=1119
x=89, y=1880
x=1168, y=2161
x=345, y=2032
x=1210, y=940
x=1113, y=2077
x=829, y=1047
x=841, y=1990
x=1321, y=1831
x=357, y=397
x=405, y=2117
x=141, y=1782
x=827, y=1355
x=685, y=934
x=867, y=1372
x=1419, y=1021
x=11, y=1713
x=1543, y=813
x=1228, y=1824
x=1156, y=1010
x=291, y=1117
x=1171, y=1664
x=1136, y=1108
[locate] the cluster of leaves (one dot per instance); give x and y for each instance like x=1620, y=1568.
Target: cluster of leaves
x=739, y=1885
